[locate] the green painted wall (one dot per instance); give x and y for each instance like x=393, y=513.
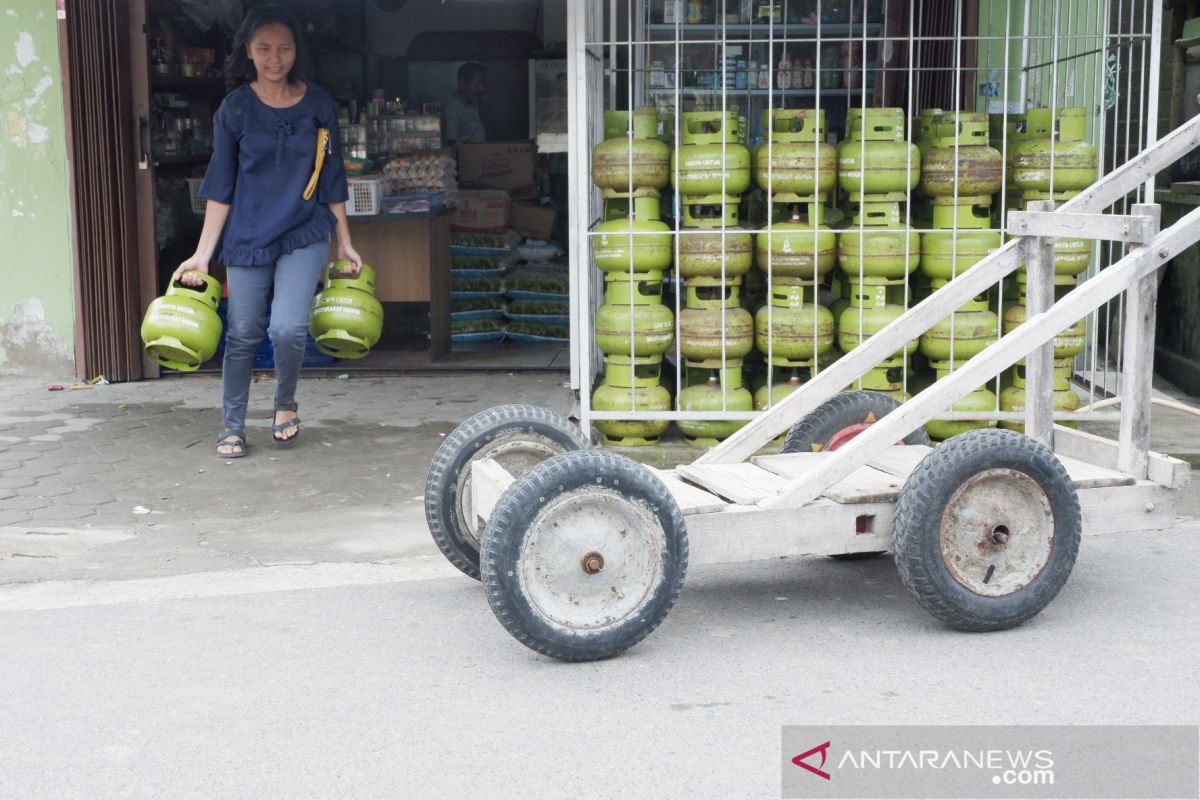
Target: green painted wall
x=37, y=309
x=1072, y=40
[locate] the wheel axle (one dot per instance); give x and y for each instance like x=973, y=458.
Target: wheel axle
x=593, y=562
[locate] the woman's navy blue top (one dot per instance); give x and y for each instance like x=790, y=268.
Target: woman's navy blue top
x=262, y=160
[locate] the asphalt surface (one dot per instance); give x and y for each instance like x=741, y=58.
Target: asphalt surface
x=174, y=625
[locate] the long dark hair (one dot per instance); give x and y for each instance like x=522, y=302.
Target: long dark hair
x=239, y=68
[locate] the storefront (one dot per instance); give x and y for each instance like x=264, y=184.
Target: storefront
x=443, y=223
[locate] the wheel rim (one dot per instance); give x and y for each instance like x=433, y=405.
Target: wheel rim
x=591, y=558
x=997, y=532
x=518, y=454
x=846, y=434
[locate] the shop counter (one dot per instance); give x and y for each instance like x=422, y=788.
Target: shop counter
x=411, y=257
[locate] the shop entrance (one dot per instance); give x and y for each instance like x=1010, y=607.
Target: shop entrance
x=467, y=238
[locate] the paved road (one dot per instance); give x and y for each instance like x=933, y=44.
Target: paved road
x=273, y=684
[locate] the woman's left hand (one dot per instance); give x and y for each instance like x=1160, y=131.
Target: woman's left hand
x=346, y=252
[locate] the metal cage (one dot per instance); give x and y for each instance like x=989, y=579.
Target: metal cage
x=1002, y=58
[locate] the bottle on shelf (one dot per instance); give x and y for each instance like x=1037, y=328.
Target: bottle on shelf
x=783, y=78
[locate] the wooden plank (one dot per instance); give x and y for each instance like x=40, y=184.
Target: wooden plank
x=866, y=485
x=691, y=499
x=1144, y=506
x=1138, y=372
x=744, y=484
x=489, y=481
x=1106, y=227
x=824, y=527
x=900, y=460
x=1036, y=331
x=1165, y=470
x=918, y=319
x=1039, y=364
x=1089, y=476
x=789, y=465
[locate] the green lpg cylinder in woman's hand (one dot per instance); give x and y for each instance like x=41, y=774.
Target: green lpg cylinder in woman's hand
x=181, y=329
x=346, y=318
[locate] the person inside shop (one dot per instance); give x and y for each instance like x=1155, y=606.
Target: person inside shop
x=463, y=123
x=272, y=206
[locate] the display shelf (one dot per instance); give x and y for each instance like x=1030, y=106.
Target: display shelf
x=761, y=31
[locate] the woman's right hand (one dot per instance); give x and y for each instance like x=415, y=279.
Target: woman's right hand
x=186, y=273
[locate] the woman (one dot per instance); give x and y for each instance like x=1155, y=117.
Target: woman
x=257, y=221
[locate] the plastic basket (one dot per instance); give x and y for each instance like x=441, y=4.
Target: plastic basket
x=199, y=204
x=365, y=194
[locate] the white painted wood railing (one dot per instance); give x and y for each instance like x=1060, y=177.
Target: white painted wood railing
x=1045, y=320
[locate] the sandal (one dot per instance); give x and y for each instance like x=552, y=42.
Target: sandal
x=280, y=427
x=235, y=441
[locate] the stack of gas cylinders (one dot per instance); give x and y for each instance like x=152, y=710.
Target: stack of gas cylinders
x=782, y=256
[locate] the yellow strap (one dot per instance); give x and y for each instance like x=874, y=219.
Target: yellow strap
x=322, y=146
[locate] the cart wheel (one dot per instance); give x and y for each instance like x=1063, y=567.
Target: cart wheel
x=584, y=556
x=838, y=420
x=518, y=437
x=987, y=530
x=842, y=417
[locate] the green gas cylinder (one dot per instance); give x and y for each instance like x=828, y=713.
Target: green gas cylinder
x=631, y=160
x=795, y=159
x=982, y=400
x=1006, y=133
x=644, y=120
x=886, y=380
x=922, y=129
x=1071, y=255
x=711, y=159
x=722, y=390
x=1012, y=398
x=878, y=243
x=640, y=242
x=963, y=334
x=181, y=329
x=631, y=384
x=961, y=163
x=877, y=159
x=724, y=249
x=714, y=317
x=1061, y=161
x=791, y=328
x=963, y=243
x=799, y=246
x=346, y=318
x=634, y=317
x=1070, y=341
x=868, y=314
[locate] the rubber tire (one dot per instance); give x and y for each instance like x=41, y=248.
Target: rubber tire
x=504, y=541
x=839, y=412
x=918, y=517
x=463, y=446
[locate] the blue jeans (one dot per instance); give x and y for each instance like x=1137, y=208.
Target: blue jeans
x=294, y=278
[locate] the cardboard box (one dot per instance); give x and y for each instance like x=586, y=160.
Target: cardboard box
x=532, y=221
x=481, y=211
x=498, y=165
